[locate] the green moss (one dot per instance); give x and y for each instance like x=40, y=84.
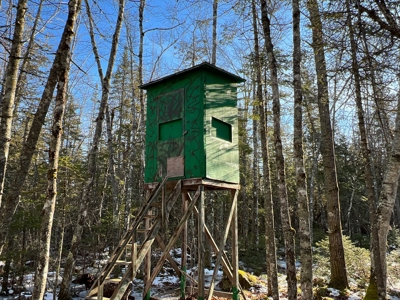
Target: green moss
x=320, y=292
x=246, y=281
x=372, y=291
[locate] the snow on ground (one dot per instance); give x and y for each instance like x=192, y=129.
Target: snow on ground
x=166, y=286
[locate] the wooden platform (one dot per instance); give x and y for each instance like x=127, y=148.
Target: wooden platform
x=193, y=183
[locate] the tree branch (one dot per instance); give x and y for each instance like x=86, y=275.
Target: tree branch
x=392, y=28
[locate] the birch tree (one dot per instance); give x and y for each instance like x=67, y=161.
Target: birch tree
x=52, y=173
x=87, y=195
x=10, y=87
x=11, y=199
x=380, y=218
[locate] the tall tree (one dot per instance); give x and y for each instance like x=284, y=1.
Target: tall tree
x=11, y=199
x=337, y=262
x=214, y=32
x=288, y=231
x=387, y=21
x=304, y=231
x=10, y=87
x=376, y=276
x=52, y=173
x=269, y=210
x=92, y=163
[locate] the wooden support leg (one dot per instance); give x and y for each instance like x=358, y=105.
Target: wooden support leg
x=221, y=247
x=147, y=263
x=201, y=245
x=184, y=247
x=235, y=250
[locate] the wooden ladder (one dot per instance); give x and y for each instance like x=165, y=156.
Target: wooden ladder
x=129, y=252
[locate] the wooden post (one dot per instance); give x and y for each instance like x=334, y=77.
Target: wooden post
x=184, y=247
x=147, y=263
x=134, y=255
x=201, y=245
x=235, y=249
x=221, y=247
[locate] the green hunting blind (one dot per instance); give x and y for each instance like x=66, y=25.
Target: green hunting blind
x=192, y=125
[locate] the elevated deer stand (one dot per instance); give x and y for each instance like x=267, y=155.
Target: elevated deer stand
x=191, y=148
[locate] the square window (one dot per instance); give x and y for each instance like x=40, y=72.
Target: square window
x=221, y=129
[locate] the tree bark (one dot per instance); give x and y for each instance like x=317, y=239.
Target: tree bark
x=376, y=276
x=52, y=174
x=256, y=172
x=142, y=121
x=92, y=164
x=272, y=268
x=288, y=231
x=11, y=199
x=214, y=32
x=387, y=199
x=111, y=166
x=337, y=261
x=304, y=232
x=10, y=87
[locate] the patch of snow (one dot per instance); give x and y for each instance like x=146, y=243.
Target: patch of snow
x=48, y=296
x=162, y=281
x=281, y=264
x=333, y=292
x=355, y=297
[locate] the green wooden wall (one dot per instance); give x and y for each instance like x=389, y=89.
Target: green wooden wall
x=221, y=123
x=193, y=114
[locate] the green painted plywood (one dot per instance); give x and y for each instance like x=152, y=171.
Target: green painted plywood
x=170, y=130
x=221, y=139
x=168, y=102
x=193, y=114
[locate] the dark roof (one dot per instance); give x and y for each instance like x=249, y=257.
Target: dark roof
x=203, y=65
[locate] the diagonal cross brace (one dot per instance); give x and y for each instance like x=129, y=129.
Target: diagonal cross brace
x=131, y=273
x=171, y=243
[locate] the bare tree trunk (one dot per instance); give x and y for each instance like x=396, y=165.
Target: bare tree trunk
x=10, y=87
x=214, y=32
x=52, y=173
x=315, y=157
x=272, y=268
x=306, y=274
x=11, y=199
x=111, y=166
x=336, y=250
x=376, y=277
x=288, y=231
x=386, y=201
x=142, y=122
x=60, y=251
x=27, y=54
x=256, y=177
x=92, y=165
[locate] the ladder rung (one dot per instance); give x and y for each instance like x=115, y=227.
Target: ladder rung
x=95, y=298
x=122, y=262
x=156, y=204
x=116, y=280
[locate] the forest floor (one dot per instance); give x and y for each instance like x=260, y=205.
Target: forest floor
x=166, y=285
